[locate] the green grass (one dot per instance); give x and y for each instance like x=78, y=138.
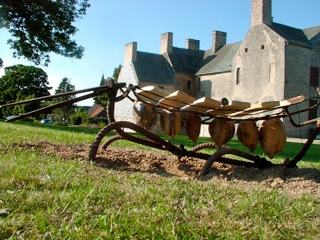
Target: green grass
x=46, y=197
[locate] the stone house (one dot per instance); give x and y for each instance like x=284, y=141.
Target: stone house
x=273, y=62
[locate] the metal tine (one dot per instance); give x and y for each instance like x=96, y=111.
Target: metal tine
x=55, y=96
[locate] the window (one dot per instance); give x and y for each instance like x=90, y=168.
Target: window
x=246, y=50
x=262, y=47
x=189, y=85
x=314, y=76
x=238, y=76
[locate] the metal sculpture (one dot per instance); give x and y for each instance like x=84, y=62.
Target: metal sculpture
x=208, y=109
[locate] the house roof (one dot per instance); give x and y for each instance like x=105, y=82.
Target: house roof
x=186, y=61
x=95, y=110
x=313, y=34
x=292, y=35
x=153, y=68
x=222, y=60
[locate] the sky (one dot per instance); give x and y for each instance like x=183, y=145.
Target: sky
x=110, y=24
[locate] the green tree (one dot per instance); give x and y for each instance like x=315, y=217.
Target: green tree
x=102, y=100
x=79, y=117
x=116, y=72
x=40, y=27
x=23, y=82
x=65, y=111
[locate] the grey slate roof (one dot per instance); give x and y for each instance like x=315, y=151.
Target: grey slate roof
x=186, y=61
x=222, y=60
x=153, y=68
x=313, y=34
x=292, y=35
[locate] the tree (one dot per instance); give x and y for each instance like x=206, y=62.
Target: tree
x=42, y=26
x=23, y=82
x=102, y=100
x=65, y=111
x=116, y=73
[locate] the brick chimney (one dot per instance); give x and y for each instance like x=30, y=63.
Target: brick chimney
x=192, y=44
x=219, y=39
x=166, y=43
x=261, y=12
x=130, y=52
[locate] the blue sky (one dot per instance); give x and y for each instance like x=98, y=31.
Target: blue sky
x=110, y=24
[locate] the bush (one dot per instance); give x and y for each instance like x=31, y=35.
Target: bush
x=76, y=119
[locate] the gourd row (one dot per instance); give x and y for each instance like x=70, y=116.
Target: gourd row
x=272, y=133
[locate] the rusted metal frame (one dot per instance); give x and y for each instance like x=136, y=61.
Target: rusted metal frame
x=289, y=115
x=259, y=162
x=165, y=145
x=159, y=143
x=96, y=89
x=111, y=140
x=122, y=135
x=141, y=130
x=126, y=94
x=51, y=107
x=203, y=146
x=293, y=163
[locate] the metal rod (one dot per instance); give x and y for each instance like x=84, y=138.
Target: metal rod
x=305, y=148
x=100, y=88
x=68, y=102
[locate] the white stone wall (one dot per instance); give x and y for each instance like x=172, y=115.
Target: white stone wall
x=261, y=60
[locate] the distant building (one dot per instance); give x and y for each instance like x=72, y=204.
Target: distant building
x=273, y=62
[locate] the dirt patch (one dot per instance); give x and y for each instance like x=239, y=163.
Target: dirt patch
x=295, y=181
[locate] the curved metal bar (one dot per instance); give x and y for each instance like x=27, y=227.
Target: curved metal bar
x=140, y=130
x=293, y=163
x=261, y=163
x=95, y=89
x=122, y=124
x=123, y=95
x=203, y=146
x=111, y=140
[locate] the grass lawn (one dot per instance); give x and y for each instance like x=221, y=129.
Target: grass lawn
x=46, y=197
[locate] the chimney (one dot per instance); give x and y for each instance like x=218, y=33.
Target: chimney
x=192, y=44
x=130, y=52
x=261, y=12
x=219, y=39
x=166, y=43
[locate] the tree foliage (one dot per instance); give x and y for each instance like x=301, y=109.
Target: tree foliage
x=116, y=73
x=39, y=27
x=65, y=111
x=23, y=82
